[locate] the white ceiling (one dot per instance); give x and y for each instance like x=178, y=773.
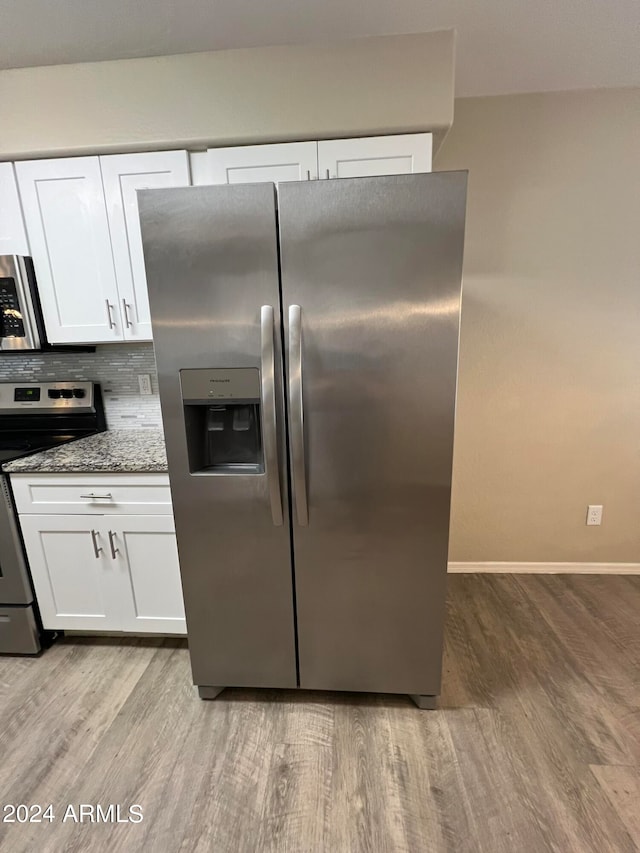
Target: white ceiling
x=503, y=45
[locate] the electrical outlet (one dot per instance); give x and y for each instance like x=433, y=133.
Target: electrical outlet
x=594, y=514
x=144, y=382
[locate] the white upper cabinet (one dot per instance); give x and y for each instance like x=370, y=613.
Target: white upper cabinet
x=13, y=237
x=82, y=220
x=289, y=161
x=301, y=161
x=123, y=175
x=83, y=230
x=66, y=219
x=375, y=155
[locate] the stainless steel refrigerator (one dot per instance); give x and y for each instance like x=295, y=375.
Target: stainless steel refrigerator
x=306, y=340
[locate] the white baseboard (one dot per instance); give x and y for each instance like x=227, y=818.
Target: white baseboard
x=548, y=568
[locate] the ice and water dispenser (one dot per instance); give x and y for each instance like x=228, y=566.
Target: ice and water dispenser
x=222, y=420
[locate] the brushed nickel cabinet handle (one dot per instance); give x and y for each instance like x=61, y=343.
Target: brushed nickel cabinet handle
x=96, y=548
x=92, y=497
x=125, y=308
x=112, y=324
x=112, y=539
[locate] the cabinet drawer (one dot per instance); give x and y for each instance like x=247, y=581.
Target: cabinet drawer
x=85, y=494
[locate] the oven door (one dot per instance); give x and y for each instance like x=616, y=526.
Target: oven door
x=15, y=587
x=19, y=327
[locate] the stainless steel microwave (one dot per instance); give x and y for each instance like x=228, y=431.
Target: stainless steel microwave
x=21, y=324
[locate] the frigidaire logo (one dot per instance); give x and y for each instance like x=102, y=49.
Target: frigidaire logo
x=219, y=380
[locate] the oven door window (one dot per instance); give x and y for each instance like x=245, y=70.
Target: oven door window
x=11, y=324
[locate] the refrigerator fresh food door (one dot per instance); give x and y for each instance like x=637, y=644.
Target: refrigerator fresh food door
x=371, y=281
x=212, y=267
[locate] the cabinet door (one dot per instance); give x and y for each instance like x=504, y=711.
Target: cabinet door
x=289, y=161
x=375, y=155
x=73, y=574
x=13, y=237
x=146, y=559
x=66, y=219
x=123, y=175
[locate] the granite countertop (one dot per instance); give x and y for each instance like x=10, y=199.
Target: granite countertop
x=114, y=451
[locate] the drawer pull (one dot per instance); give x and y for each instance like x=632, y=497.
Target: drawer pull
x=93, y=497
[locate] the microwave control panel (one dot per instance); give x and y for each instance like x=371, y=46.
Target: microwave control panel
x=11, y=325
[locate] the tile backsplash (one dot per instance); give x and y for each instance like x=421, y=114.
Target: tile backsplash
x=114, y=366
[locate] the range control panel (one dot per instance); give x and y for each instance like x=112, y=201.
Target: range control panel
x=54, y=397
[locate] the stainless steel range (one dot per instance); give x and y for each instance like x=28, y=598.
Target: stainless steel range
x=33, y=417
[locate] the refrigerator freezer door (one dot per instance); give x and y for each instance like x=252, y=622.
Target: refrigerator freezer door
x=375, y=266
x=212, y=267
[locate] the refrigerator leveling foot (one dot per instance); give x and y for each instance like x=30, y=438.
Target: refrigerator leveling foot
x=425, y=703
x=205, y=692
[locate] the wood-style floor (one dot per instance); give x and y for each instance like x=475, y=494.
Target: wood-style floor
x=536, y=745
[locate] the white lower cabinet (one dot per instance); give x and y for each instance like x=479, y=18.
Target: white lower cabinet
x=146, y=560
x=96, y=568
x=74, y=578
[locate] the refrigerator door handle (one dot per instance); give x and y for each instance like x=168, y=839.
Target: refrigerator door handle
x=296, y=410
x=270, y=428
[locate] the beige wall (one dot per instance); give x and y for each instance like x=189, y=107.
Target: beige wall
x=549, y=394
x=360, y=87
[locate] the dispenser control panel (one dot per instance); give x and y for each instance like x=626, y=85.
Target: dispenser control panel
x=204, y=385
